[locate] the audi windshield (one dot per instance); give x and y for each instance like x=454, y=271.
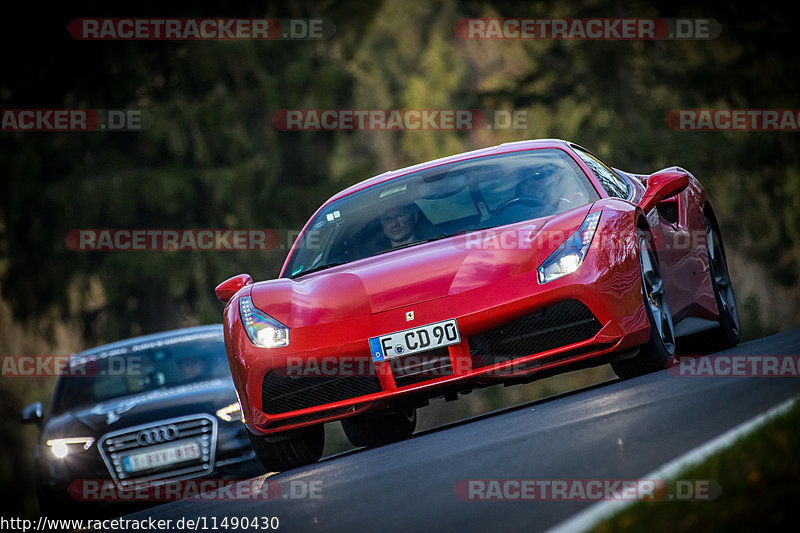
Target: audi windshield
x=124, y=370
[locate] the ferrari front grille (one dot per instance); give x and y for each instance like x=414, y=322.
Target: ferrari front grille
x=282, y=394
x=552, y=327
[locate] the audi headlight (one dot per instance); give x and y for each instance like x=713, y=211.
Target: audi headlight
x=263, y=330
x=231, y=412
x=569, y=256
x=61, y=447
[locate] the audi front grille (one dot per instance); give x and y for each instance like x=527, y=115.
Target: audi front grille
x=167, y=450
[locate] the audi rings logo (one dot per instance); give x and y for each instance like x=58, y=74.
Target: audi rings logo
x=158, y=434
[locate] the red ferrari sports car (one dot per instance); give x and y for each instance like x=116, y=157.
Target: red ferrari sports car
x=503, y=264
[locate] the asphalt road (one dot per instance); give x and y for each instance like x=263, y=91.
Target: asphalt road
x=621, y=430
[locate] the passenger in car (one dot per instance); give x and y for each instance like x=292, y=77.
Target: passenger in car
x=194, y=369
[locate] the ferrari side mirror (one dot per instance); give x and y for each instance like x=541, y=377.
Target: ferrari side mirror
x=662, y=185
x=231, y=286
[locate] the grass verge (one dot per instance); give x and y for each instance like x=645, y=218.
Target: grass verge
x=759, y=478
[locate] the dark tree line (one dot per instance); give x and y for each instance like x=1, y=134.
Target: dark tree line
x=213, y=159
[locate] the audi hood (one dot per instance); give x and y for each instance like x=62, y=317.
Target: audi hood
x=97, y=420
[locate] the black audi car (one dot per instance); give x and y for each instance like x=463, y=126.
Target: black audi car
x=139, y=413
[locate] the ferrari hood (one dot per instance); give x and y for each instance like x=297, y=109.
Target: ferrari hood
x=416, y=274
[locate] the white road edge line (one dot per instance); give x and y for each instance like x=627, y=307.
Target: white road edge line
x=597, y=513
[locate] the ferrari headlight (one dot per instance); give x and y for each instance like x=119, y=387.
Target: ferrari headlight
x=569, y=256
x=263, y=330
x=61, y=447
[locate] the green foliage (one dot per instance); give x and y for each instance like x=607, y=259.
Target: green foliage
x=213, y=159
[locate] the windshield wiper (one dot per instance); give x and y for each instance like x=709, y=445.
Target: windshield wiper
x=400, y=247
x=421, y=241
x=318, y=268
x=438, y=237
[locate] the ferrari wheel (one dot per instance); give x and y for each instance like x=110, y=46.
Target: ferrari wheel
x=284, y=452
x=727, y=334
x=661, y=347
x=375, y=429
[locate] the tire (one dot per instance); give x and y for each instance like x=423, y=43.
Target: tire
x=376, y=429
x=291, y=450
x=727, y=334
x=654, y=355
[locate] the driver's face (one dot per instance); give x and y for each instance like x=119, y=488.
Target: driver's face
x=540, y=187
x=192, y=368
x=398, y=225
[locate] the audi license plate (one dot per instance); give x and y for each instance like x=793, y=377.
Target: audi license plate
x=163, y=456
x=414, y=340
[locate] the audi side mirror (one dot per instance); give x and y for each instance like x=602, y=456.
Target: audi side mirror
x=33, y=413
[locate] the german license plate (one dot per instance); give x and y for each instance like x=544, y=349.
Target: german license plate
x=414, y=340
x=163, y=456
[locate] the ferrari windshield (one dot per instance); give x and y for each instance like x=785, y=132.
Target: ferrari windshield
x=440, y=202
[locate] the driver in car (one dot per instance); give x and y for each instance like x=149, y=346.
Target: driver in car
x=540, y=192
